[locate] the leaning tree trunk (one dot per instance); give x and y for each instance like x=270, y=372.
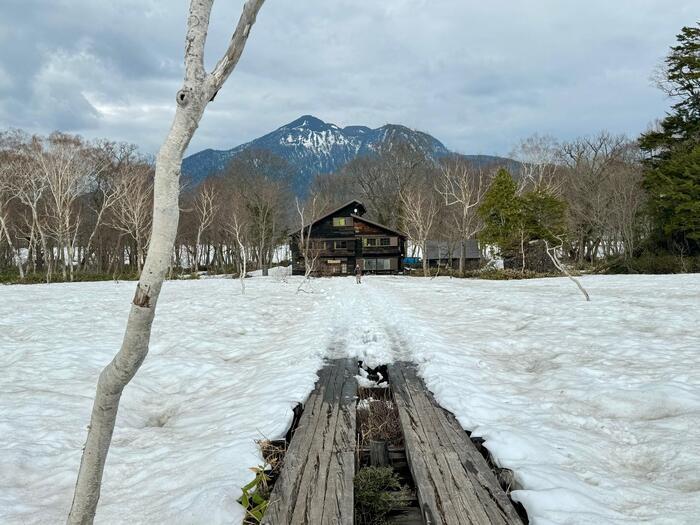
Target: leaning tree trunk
x=244, y=268
x=134, y=347
x=198, y=90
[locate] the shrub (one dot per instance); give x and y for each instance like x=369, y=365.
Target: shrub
x=256, y=496
x=507, y=275
x=12, y=277
x=378, y=492
x=656, y=264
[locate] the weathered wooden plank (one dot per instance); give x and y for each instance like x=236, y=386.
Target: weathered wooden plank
x=316, y=482
x=454, y=484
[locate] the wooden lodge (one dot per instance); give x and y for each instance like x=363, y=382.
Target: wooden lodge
x=343, y=238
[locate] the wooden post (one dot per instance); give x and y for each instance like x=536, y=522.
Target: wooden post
x=378, y=454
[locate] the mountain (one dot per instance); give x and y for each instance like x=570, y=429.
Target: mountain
x=312, y=146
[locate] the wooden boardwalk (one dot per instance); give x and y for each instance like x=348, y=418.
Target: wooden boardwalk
x=455, y=485
x=315, y=486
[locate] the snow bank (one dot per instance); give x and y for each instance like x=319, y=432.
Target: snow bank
x=276, y=272
x=595, y=406
x=224, y=370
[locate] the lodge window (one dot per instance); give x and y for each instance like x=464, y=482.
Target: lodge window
x=376, y=241
x=342, y=221
x=377, y=264
x=340, y=245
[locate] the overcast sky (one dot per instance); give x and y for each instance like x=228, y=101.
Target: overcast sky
x=477, y=75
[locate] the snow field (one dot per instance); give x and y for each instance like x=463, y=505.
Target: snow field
x=594, y=406
x=223, y=371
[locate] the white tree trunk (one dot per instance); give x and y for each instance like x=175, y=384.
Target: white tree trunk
x=199, y=88
x=426, y=262
x=14, y=251
x=134, y=347
x=196, y=250
x=244, y=268
x=552, y=253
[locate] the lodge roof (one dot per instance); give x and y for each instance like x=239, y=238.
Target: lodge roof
x=336, y=210
x=355, y=216
x=397, y=232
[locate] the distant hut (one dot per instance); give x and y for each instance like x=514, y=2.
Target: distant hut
x=445, y=254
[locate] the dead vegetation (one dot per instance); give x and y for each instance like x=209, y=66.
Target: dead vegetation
x=273, y=453
x=377, y=418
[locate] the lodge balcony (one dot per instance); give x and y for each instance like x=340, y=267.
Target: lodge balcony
x=381, y=250
x=337, y=252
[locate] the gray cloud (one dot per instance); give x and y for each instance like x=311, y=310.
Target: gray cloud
x=478, y=76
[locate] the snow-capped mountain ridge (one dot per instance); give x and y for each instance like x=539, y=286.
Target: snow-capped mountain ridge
x=312, y=147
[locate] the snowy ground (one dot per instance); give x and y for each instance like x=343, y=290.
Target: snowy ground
x=595, y=406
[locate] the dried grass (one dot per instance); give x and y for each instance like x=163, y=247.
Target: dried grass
x=377, y=420
x=273, y=453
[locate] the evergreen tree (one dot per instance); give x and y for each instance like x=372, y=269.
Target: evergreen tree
x=511, y=221
x=501, y=211
x=672, y=173
x=544, y=216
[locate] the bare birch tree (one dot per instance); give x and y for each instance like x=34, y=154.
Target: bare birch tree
x=237, y=225
x=199, y=88
x=538, y=170
x=132, y=210
x=107, y=192
x=6, y=197
x=30, y=187
x=264, y=180
x=463, y=187
x=626, y=223
x=66, y=169
x=419, y=207
x=205, y=207
x=590, y=161
x=308, y=214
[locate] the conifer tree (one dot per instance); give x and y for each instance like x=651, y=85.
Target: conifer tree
x=511, y=221
x=672, y=174
x=501, y=211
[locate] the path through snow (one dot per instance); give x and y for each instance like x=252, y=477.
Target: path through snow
x=593, y=405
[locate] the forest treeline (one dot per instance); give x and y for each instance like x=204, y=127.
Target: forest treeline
x=75, y=209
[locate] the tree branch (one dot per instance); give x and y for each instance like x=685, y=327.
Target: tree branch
x=197, y=27
x=235, y=48
x=552, y=253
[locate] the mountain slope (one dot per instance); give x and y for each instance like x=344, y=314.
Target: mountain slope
x=312, y=146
